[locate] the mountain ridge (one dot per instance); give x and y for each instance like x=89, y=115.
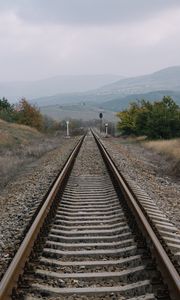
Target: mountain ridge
x=167, y=78
x=119, y=94
x=54, y=85
x=113, y=100
x=118, y=104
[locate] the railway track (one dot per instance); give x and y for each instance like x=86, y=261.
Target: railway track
x=91, y=240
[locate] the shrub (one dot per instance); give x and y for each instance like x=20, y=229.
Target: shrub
x=158, y=120
x=50, y=125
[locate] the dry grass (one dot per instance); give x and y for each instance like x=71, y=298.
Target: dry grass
x=12, y=135
x=20, y=145
x=171, y=150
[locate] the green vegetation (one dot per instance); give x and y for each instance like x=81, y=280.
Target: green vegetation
x=157, y=120
x=26, y=114
x=7, y=111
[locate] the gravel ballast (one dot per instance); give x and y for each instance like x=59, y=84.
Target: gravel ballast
x=21, y=197
x=147, y=169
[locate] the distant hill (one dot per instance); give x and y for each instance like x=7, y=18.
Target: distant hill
x=161, y=82
x=55, y=85
x=90, y=110
x=120, y=103
x=166, y=79
x=72, y=98
x=77, y=111
x=85, y=98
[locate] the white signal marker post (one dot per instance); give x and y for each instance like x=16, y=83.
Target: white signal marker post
x=67, y=127
x=106, y=127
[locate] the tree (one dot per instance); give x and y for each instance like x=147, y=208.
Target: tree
x=164, y=119
x=7, y=111
x=160, y=119
x=127, y=117
x=29, y=115
x=4, y=104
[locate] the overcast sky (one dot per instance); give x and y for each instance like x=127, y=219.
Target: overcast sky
x=44, y=38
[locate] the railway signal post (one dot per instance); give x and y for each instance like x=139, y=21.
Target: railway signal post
x=101, y=117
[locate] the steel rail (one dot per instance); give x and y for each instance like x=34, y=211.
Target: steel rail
x=164, y=264
x=15, y=269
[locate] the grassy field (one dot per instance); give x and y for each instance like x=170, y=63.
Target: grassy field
x=12, y=135
x=169, y=148
x=20, y=145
